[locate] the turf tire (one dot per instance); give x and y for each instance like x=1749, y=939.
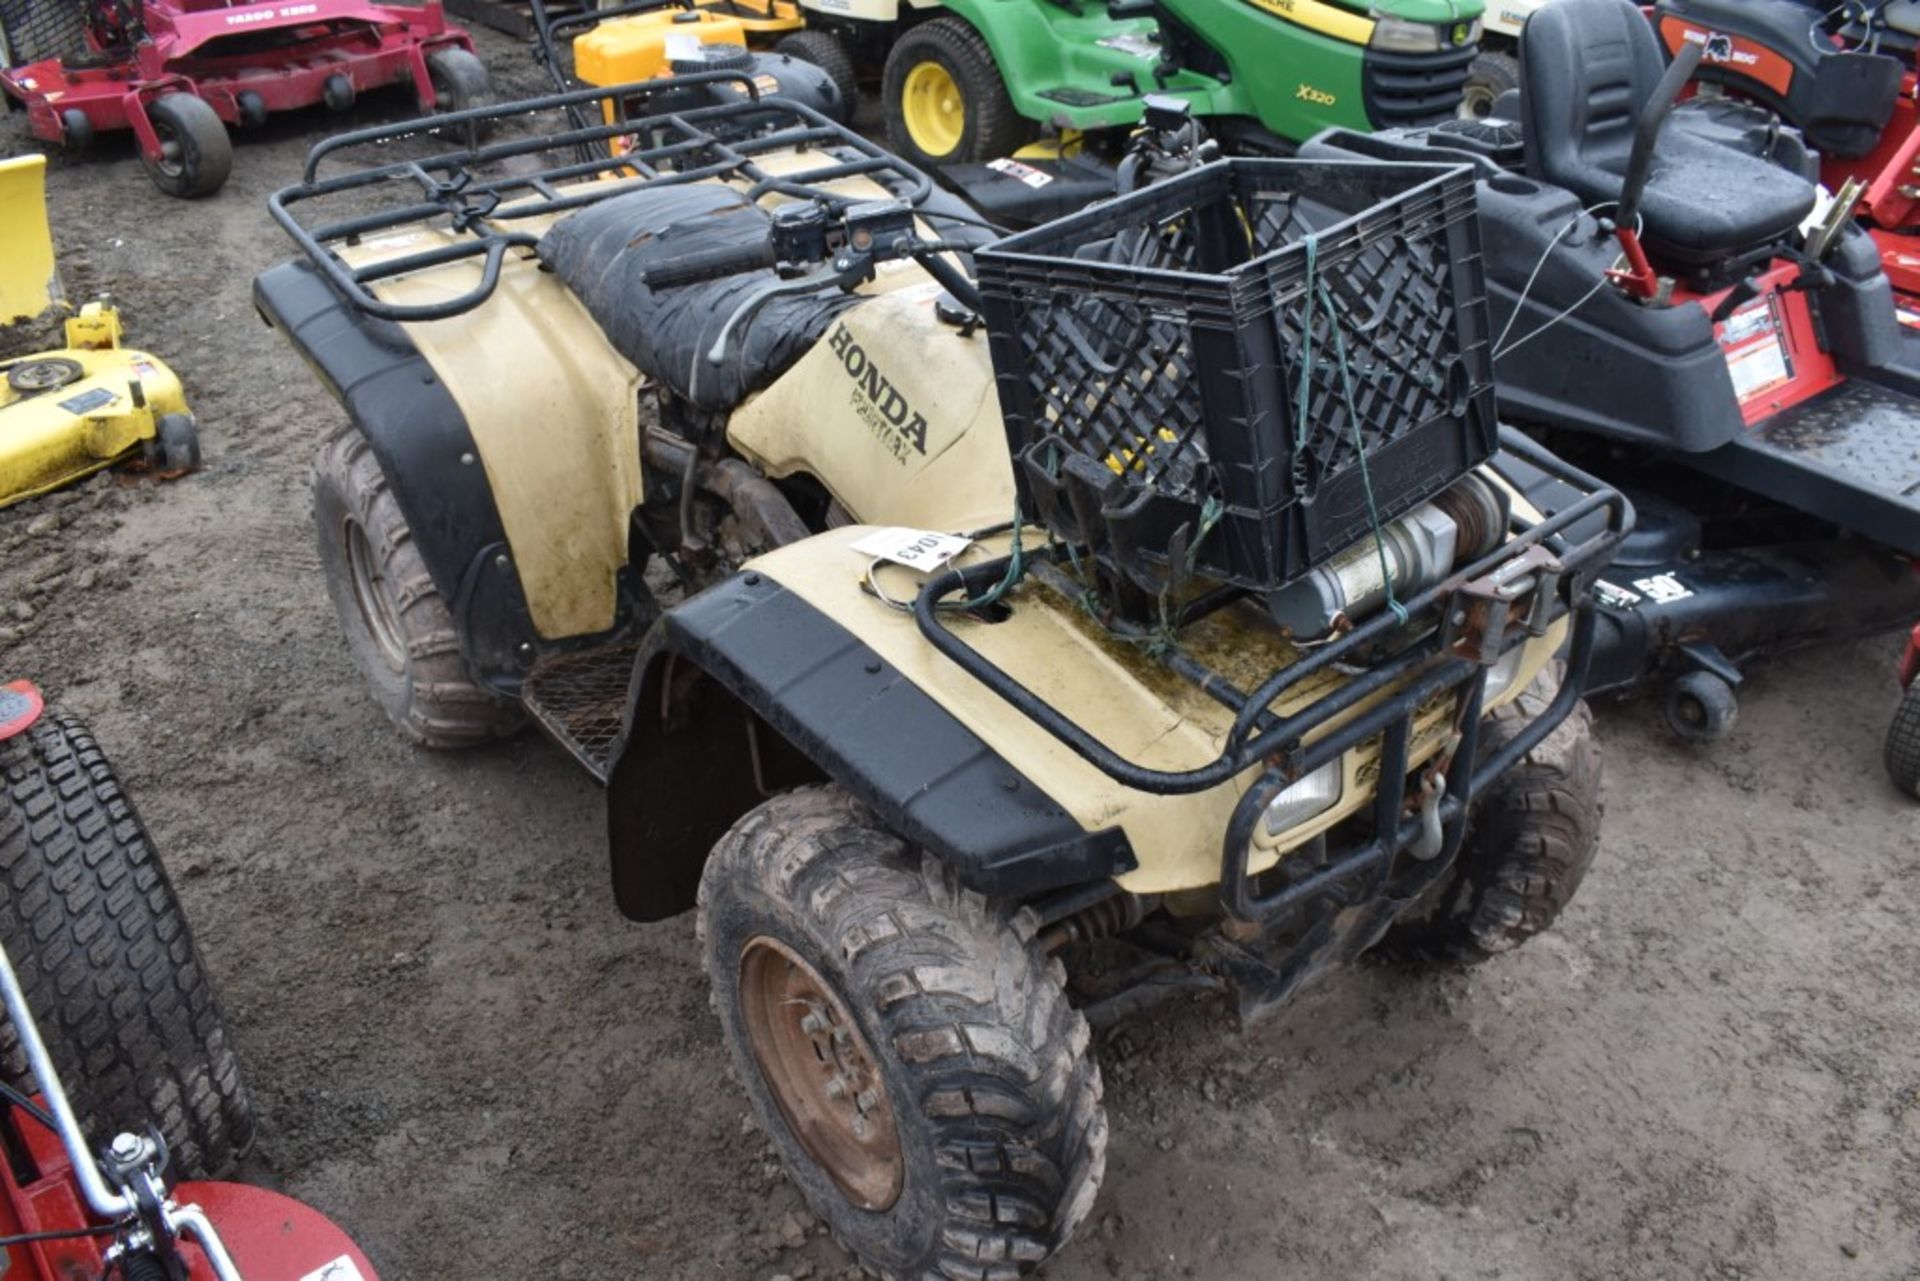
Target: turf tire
x=420, y=679
x=986, y=1065
x=1491, y=75
x=106, y=960
x=992, y=127
x=1530, y=839
x=1903, y=743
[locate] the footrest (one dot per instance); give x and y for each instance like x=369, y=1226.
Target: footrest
x=1851, y=456
x=580, y=699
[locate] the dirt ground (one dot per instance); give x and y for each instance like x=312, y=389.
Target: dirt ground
x=460, y=1050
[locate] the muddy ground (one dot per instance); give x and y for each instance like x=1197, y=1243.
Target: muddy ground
x=460, y=1050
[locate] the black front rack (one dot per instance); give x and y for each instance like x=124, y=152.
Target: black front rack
x=1463, y=624
x=487, y=192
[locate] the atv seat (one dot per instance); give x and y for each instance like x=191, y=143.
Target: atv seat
x=1588, y=68
x=606, y=252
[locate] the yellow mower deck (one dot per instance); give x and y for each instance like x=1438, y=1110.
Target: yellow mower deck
x=68, y=413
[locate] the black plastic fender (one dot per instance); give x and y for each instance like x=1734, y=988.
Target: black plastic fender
x=748, y=689
x=426, y=449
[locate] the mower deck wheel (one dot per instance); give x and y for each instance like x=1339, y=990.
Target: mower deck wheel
x=395, y=620
x=826, y=52
x=76, y=132
x=195, y=153
x=106, y=959
x=906, y=1043
x=1903, y=743
x=945, y=101
x=460, y=81
x=179, y=444
x=1700, y=708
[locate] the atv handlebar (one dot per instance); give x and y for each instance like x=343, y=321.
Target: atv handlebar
x=1646, y=130
x=712, y=264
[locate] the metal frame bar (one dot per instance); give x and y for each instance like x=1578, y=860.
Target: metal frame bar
x=483, y=208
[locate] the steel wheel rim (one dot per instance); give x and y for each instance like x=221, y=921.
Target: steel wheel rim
x=1476, y=103
x=821, y=1073
x=934, y=111
x=171, y=161
x=369, y=594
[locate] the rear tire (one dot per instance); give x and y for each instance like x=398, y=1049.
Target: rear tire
x=1903, y=743
x=106, y=960
x=197, y=154
x=827, y=53
x=945, y=101
x=1530, y=839
x=967, y=1137
x=394, y=618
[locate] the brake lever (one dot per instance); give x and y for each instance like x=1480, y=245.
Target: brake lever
x=845, y=271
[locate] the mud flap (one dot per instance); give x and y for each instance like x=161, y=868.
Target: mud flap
x=29, y=283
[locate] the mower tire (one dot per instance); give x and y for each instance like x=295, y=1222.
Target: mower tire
x=76, y=132
x=946, y=103
x=1700, y=708
x=825, y=51
x=460, y=81
x=1531, y=836
x=1903, y=743
x=196, y=154
x=106, y=960
x=395, y=620
x=906, y=1043
x=176, y=445
x=1491, y=75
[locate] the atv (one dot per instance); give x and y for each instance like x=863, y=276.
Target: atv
x=986, y=642
x=101, y=987
x=1678, y=308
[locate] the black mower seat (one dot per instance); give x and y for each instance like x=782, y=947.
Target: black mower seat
x=1588, y=68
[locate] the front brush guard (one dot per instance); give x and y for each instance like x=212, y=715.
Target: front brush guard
x=1465, y=623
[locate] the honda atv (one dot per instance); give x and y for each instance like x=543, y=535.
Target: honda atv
x=986, y=642
x=108, y=1025
x=1678, y=307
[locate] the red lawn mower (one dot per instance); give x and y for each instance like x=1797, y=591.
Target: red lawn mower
x=100, y=984
x=1844, y=75
x=178, y=72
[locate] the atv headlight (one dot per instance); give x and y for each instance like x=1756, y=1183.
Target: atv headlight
x=1306, y=799
x=1501, y=675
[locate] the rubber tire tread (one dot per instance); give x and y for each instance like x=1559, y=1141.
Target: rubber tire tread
x=106, y=960
x=207, y=151
x=1530, y=839
x=826, y=52
x=1503, y=69
x=993, y=129
x=1903, y=743
x=1008, y=1099
x=435, y=702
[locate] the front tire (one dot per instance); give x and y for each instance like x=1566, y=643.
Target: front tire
x=395, y=620
x=1530, y=839
x=1903, y=743
x=106, y=960
x=196, y=155
x=905, y=1042
x=945, y=101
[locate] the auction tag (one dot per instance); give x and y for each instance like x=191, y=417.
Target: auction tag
x=341, y=1269
x=915, y=548
x=1035, y=178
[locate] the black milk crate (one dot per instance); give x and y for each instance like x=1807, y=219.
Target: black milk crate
x=1148, y=355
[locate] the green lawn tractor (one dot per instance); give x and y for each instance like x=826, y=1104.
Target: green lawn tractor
x=972, y=82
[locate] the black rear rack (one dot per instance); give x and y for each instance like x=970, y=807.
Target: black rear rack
x=483, y=191
x=1542, y=574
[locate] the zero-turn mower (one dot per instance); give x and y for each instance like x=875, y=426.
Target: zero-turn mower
x=1680, y=307
x=108, y=1025
x=73, y=411
x=985, y=641
x=179, y=72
